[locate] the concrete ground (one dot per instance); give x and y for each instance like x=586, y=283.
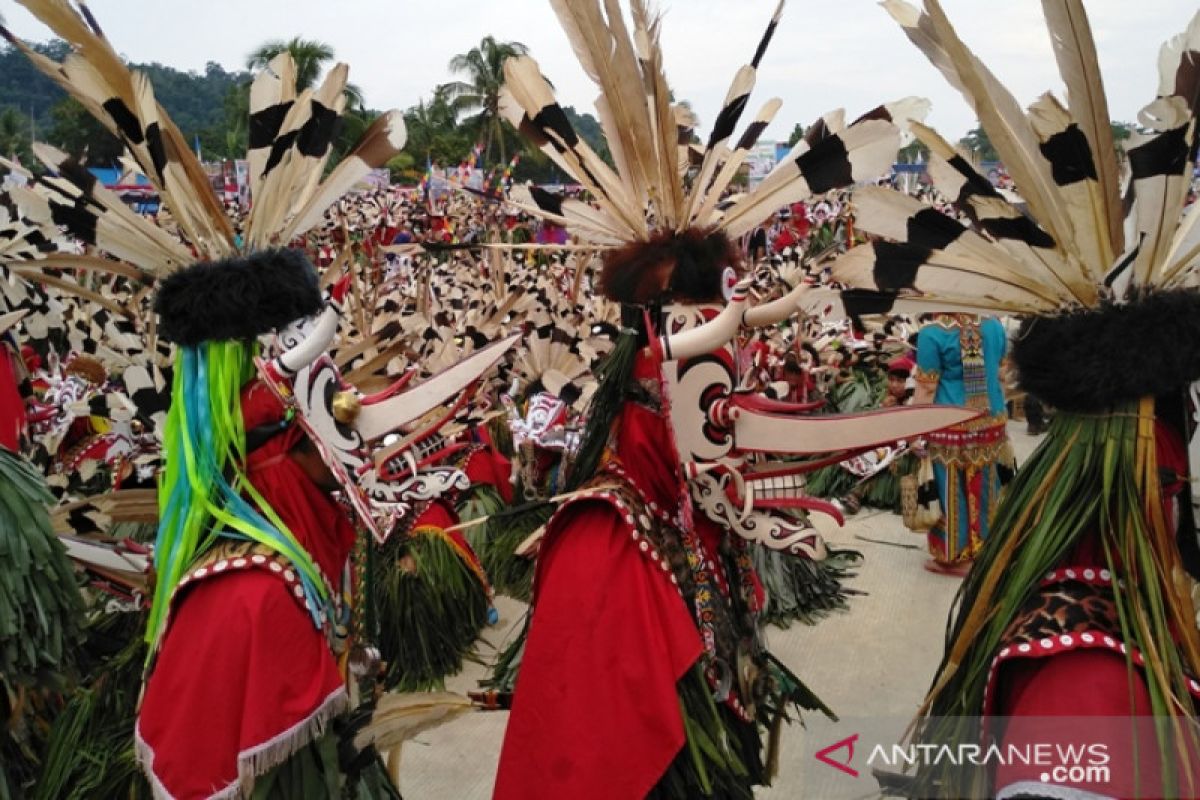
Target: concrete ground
x=871, y=666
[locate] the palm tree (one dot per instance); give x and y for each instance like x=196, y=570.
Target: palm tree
x=979, y=145
x=311, y=57
x=915, y=152
x=433, y=130
x=438, y=112
x=483, y=67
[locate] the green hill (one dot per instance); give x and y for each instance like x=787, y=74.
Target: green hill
x=197, y=102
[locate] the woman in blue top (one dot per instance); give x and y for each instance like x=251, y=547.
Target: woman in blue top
x=958, y=363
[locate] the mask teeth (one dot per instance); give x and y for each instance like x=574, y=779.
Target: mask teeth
x=779, y=487
x=417, y=453
x=429, y=446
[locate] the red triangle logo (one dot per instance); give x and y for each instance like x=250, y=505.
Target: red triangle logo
x=823, y=755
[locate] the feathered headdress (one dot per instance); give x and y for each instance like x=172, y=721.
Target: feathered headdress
x=240, y=288
x=291, y=137
x=1107, y=280
x=1079, y=246
x=668, y=243
x=653, y=200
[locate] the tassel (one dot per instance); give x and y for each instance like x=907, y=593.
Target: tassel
x=613, y=377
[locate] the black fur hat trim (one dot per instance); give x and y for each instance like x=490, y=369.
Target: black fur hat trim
x=1096, y=359
x=238, y=298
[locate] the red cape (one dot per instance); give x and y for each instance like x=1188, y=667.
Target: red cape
x=596, y=713
x=243, y=678
x=1081, y=691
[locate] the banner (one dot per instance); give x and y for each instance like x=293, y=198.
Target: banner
x=761, y=160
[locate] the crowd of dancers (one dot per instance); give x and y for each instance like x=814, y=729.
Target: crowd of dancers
x=264, y=470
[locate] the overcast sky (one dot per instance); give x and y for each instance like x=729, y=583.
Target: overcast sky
x=826, y=53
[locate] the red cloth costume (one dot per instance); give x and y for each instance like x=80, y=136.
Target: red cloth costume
x=440, y=515
x=596, y=713
x=242, y=678
x=1077, y=673
x=12, y=404
x=488, y=465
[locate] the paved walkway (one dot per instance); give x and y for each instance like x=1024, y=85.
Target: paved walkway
x=871, y=665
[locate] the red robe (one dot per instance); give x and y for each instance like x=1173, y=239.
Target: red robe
x=1075, y=688
x=489, y=466
x=243, y=678
x=596, y=712
x=12, y=404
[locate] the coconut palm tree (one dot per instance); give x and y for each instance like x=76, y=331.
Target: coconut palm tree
x=433, y=130
x=311, y=58
x=483, y=67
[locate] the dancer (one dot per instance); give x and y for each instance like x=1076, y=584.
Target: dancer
x=1078, y=606
x=958, y=362
x=251, y=549
x=259, y=542
x=645, y=672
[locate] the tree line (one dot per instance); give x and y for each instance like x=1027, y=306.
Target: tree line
x=211, y=108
